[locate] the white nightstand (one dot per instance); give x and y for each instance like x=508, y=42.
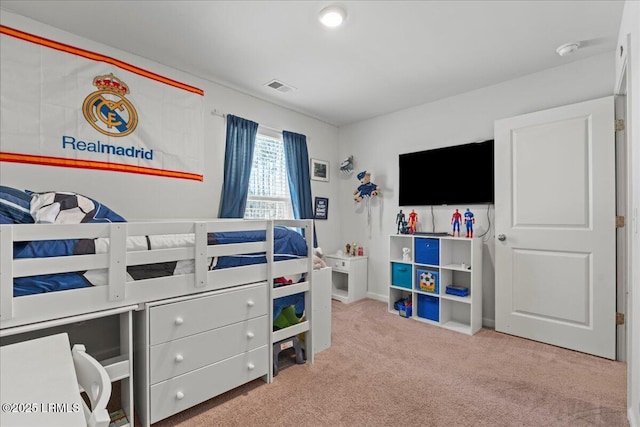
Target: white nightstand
x=348, y=277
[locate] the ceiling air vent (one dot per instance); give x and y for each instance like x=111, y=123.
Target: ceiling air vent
x=279, y=86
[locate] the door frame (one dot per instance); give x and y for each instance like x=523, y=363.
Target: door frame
x=623, y=241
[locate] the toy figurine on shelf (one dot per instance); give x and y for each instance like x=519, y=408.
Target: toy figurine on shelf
x=455, y=222
x=400, y=219
x=413, y=222
x=366, y=187
x=406, y=254
x=469, y=220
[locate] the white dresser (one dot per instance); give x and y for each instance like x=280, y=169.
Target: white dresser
x=190, y=349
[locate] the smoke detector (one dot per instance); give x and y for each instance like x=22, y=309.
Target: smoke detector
x=280, y=86
x=568, y=48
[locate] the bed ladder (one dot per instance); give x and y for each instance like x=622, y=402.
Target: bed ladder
x=285, y=268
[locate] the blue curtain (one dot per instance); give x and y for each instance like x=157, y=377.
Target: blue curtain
x=238, y=159
x=297, y=160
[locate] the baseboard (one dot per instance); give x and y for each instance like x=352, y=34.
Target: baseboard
x=383, y=298
x=632, y=417
x=488, y=323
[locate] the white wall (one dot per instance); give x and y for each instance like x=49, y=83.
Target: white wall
x=137, y=196
x=376, y=144
x=629, y=39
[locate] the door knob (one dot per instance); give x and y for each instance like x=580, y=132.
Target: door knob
x=502, y=237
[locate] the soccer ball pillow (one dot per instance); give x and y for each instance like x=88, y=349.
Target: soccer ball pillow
x=69, y=208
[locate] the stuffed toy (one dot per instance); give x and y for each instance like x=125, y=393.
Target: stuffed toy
x=366, y=188
x=318, y=261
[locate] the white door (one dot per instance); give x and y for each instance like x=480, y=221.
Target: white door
x=555, y=227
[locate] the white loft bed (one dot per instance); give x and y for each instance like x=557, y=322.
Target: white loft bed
x=121, y=296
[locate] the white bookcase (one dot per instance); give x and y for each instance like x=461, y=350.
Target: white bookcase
x=445, y=261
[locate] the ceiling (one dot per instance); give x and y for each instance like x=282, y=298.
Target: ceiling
x=387, y=56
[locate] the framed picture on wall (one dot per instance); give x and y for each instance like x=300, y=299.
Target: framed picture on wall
x=321, y=208
x=319, y=170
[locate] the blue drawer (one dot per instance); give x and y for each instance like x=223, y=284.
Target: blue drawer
x=428, y=307
x=401, y=275
x=427, y=251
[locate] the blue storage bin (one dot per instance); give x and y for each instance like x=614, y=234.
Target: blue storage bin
x=428, y=307
x=427, y=280
x=427, y=251
x=457, y=290
x=401, y=275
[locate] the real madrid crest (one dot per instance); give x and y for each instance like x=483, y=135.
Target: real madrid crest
x=107, y=110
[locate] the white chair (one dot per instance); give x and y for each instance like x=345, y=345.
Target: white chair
x=95, y=381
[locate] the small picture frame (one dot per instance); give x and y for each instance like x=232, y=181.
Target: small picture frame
x=319, y=170
x=321, y=210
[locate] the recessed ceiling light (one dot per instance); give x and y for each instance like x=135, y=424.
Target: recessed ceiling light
x=568, y=48
x=332, y=16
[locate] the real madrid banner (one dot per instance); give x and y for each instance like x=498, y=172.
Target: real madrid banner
x=66, y=106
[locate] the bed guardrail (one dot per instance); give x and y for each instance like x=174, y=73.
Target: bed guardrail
x=117, y=258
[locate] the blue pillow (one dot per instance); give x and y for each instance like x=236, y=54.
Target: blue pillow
x=15, y=206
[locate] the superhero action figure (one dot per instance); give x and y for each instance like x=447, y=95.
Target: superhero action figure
x=413, y=221
x=455, y=221
x=469, y=220
x=400, y=220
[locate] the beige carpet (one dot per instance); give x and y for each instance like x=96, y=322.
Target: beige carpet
x=384, y=370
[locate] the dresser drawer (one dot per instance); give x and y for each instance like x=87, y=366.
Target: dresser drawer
x=195, y=351
x=182, y=392
x=180, y=319
x=338, y=264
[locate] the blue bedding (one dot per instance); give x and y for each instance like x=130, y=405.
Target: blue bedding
x=287, y=244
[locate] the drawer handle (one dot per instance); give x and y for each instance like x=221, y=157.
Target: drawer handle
x=179, y=321
x=251, y=366
x=179, y=395
x=250, y=303
x=250, y=335
x=179, y=358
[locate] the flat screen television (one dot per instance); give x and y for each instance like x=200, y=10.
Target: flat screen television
x=457, y=175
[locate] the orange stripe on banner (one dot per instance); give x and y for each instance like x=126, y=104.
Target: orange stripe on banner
x=91, y=164
x=96, y=57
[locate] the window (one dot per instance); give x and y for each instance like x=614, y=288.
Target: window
x=268, y=196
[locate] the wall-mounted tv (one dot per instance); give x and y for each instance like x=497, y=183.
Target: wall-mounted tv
x=457, y=175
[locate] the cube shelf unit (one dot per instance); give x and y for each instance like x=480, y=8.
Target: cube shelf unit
x=441, y=261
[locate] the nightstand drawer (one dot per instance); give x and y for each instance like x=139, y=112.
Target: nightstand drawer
x=183, y=318
x=177, y=357
x=338, y=264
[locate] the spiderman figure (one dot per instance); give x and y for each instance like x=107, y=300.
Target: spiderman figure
x=455, y=221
